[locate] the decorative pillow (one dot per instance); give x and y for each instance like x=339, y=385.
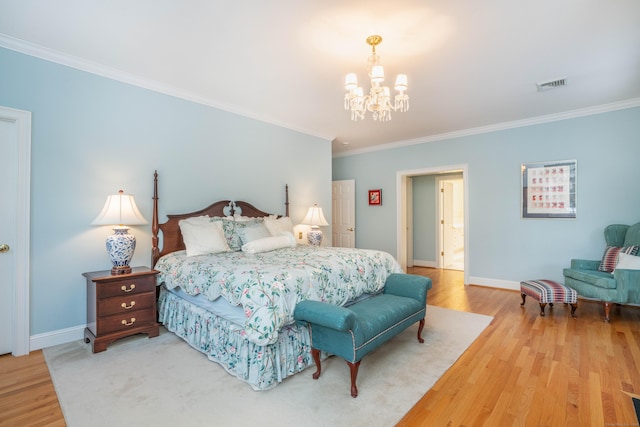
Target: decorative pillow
x=279, y=226
x=610, y=257
x=202, y=237
x=229, y=229
x=628, y=262
x=267, y=244
x=249, y=232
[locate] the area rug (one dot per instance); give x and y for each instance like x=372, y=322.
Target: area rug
x=164, y=382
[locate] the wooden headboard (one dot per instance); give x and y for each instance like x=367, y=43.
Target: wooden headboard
x=171, y=235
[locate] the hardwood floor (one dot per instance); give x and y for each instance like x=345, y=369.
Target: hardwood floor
x=528, y=370
x=523, y=370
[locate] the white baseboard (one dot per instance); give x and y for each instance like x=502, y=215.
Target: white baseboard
x=494, y=283
x=419, y=263
x=61, y=336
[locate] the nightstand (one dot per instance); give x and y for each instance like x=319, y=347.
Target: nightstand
x=120, y=305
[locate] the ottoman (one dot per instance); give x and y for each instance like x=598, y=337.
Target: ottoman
x=548, y=292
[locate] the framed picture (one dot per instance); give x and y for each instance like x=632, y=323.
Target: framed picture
x=549, y=189
x=375, y=197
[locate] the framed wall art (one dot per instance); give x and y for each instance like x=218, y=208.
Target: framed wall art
x=549, y=189
x=375, y=197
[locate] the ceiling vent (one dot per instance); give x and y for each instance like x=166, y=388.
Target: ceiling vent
x=552, y=84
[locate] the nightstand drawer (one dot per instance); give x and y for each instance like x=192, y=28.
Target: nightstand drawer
x=133, y=285
x=123, y=305
x=125, y=321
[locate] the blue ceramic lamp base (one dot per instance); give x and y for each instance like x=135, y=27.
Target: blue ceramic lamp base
x=120, y=247
x=314, y=236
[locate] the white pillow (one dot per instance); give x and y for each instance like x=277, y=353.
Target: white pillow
x=203, y=236
x=267, y=244
x=628, y=262
x=279, y=226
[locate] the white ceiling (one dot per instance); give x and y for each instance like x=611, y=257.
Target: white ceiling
x=470, y=64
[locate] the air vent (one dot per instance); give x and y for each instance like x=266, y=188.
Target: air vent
x=552, y=84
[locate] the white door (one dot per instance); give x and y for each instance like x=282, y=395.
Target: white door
x=452, y=224
x=15, y=142
x=343, y=216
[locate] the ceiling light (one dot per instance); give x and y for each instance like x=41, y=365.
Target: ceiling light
x=378, y=101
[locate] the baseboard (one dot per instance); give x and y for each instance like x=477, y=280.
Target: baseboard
x=494, y=283
x=419, y=263
x=61, y=336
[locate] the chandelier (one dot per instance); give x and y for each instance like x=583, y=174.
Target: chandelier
x=378, y=101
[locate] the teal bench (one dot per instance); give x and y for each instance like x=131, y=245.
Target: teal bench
x=352, y=332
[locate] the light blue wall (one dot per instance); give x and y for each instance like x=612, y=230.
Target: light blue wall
x=424, y=218
x=92, y=136
x=502, y=246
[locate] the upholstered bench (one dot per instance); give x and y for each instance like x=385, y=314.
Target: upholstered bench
x=352, y=332
x=548, y=292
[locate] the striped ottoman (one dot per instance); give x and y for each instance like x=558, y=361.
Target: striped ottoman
x=548, y=291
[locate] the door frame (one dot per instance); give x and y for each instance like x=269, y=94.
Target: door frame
x=21, y=326
x=402, y=177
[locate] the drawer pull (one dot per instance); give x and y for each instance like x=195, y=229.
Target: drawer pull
x=127, y=307
x=133, y=320
x=131, y=287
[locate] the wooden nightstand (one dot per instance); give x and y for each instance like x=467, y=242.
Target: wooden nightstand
x=120, y=305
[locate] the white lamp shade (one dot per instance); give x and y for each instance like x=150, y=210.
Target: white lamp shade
x=351, y=81
x=315, y=217
x=119, y=209
x=377, y=74
x=401, y=82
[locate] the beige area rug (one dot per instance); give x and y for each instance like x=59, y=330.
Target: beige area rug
x=164, y=382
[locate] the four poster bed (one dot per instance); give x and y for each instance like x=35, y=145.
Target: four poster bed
x=231, y=276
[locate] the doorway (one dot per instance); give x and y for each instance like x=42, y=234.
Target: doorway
x=15, y=170
x=404, y=201
x=450, y=208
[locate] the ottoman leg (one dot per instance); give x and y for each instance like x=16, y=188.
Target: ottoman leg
x=573, y=309
x=542, y=305
x=524, y=296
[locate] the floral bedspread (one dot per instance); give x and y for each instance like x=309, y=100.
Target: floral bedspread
x=268, y=285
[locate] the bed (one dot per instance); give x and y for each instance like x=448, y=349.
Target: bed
x=230, y=276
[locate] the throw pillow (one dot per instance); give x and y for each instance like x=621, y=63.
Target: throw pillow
x=628, y=262
x=267, y=244
x=610, y=257
x=202, y=236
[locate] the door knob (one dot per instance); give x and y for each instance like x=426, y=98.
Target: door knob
x=4, y=248
x=350, y=229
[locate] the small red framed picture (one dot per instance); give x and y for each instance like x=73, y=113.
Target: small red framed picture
x=375, y=197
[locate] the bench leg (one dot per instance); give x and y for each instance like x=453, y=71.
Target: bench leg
x=524, y=296
x=420, y=328
x=315, y=353
x=573, y=309
x=353, y=367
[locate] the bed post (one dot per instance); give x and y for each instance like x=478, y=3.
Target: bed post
x=155, y=251
x=286, y=199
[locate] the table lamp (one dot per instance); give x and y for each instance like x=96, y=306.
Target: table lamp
x=315, y=218
x=120, y=210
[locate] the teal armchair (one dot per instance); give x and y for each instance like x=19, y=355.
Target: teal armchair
x=619, y=286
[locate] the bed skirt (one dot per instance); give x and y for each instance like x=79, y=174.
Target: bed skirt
x=263, y=367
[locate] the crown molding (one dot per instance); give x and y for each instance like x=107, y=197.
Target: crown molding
x=102, y=70
x=599, y=109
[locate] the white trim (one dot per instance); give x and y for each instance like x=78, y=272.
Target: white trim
x=401, y=209
x=51, y=55
x=61, y=336
x=495, y=283
x=20, y=329
x=598, y=109
x=429, y=264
